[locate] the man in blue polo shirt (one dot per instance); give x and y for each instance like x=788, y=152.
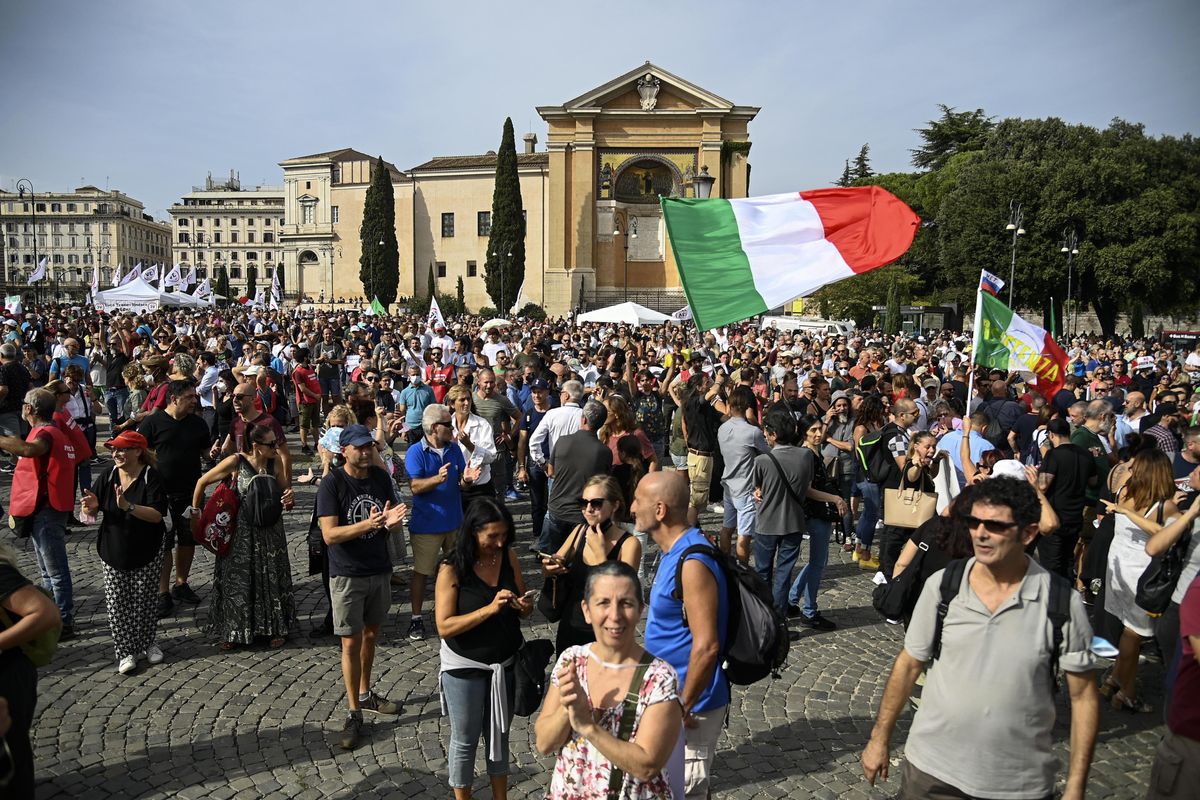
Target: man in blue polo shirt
x=436, y=469
x=688, y=634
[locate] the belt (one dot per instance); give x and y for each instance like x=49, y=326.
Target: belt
x=699, y=452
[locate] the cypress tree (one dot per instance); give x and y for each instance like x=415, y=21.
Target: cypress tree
x=222, y=283
x=251, y=287
x=462, y=296
x=891, y=319
x=430, y=290
x=282, y=288
x=503, y=273
x=379, y=264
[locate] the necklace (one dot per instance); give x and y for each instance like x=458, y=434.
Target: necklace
x=609, y=664
x=491, y=563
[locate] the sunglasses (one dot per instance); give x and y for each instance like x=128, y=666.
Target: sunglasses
x=595, y=503
x=372, y=378
x=992, y=525
x=243, y=396
x=272, y=444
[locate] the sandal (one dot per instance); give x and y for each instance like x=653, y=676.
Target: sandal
x=278, y=642
x=1109, y=686
x=1132, y=705
x=225, y=647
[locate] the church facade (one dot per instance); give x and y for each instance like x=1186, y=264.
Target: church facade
x=594, y=229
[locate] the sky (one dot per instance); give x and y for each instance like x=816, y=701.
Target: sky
x=149, y=97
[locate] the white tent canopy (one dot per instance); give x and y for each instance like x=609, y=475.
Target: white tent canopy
x=140, y=296
x=628, y=313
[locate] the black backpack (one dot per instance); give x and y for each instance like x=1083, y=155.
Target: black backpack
x=875, y=461
x=1058, y=609
x=756, y=642
x=262, y=502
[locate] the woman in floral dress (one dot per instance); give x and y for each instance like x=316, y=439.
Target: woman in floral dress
x=587, y=704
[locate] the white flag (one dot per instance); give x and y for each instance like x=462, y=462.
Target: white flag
x=149, y=273
x=435, y=314
x=174, y=277
x=276, y=295
x=519, y=302
x=13, y=305
x=204, y=289
x=683, y=313
x=260, y=297
x=95, y=278
x=116, y=281
x=38, y=273
x=131, y=276
x=274, y=303
x=190, y=278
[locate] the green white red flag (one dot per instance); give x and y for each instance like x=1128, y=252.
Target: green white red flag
x=1004, y=340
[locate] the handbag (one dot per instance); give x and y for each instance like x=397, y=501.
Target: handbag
x=218, y=521
x=896, y=598
x=908, y=506
x=552, y=602
x=1158, y=581
x=529, y=674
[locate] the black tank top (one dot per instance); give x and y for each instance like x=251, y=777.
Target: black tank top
x=579, y=572
x=496, y=639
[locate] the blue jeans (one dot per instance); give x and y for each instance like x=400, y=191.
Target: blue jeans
x=50, y=546
x=554, y=533
x=114, y=400
x=870, y=513
x=774, y=557
x=468, y=705
x=809, y=579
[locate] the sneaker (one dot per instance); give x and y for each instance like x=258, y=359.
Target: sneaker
x=817, y=622
x=870, y=563
x=154, y=654
x=68, y=633
x=128, y=664
x=379, y=705
x=351, y=732
x=511, y=495
x=165, y=605
x=856, y=556
x=184, y=594
x=794, y=611
x=416, y=630
x=716, y=508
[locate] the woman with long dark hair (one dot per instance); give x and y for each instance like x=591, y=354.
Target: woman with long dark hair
x=479, y=600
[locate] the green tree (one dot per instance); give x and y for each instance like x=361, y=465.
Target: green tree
x=251, y=287
x=504, y=269
x=891, y=316
x=862, y=164
x=954, y=132
x=379, y=264
x=431, y=289
x=846, y=179
x=855, y=298
x=461, y=294
x=221, y=283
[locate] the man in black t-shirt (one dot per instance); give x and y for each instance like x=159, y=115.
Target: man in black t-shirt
x=702, y=414
x=1066, y=473
x=357, y=510
x=14, y=383
x=179, y=438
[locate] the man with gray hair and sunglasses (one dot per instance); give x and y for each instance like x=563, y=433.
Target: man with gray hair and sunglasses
x=576, y=458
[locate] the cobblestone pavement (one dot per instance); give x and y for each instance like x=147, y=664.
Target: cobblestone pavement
x=261, y=723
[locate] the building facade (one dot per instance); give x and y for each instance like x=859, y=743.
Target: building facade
x=221, y=226
x=594, y=227
x=75, y=231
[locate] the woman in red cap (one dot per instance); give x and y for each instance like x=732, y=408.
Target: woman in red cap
x=131, y=499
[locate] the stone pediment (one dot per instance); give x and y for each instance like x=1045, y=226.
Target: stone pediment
x=647, y=88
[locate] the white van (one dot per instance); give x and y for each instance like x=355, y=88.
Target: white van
x=824, y=327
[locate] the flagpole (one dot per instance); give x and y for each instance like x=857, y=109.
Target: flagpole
x=976, y=336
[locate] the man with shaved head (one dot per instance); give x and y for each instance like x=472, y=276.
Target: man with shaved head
x=688, y=633
x=1131, y=421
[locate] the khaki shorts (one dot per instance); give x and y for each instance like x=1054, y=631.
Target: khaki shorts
x=700, y=745
x=309, y=413
x=700, y=474
x=427, y=549
x=358, y=602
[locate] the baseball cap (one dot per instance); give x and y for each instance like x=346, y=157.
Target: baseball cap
x=539, y=383
x=355, y=436
x=128, y=439
x=1008, y=468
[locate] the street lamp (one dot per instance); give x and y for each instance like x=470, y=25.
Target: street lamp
x=22, y=185
x=1015, y=218
x=703, y=183
x=631, y=233
x=1071, y=248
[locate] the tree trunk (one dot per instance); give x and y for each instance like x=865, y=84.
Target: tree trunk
x=1137, y=320
x=1106, y=312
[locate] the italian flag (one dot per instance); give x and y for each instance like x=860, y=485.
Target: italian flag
x=739, y=258
x=1003, y=340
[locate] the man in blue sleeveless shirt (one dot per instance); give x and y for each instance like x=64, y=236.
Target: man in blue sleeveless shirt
x=689, y=634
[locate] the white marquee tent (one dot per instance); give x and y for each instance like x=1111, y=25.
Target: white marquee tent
x=140, y=296
x=628, y=313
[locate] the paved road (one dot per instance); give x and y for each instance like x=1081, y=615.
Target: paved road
x=260, y=723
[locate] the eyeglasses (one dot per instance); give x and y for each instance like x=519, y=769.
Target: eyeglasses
x=992, y=525
x=595, y=503
x=271, y=444
x=243, y=396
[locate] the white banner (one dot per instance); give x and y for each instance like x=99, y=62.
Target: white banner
x=683, y=313
x=149, y=273
x=131, y=276
x=435, y=313
x=174, y=277
x=204, y=289
x=13, y=305
x=190, y=278
x=116, y=281
x=38, y=273
x=95, y=278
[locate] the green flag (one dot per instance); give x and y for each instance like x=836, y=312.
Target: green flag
x=377, y=308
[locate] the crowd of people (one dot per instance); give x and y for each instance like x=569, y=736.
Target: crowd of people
x=1023, y=523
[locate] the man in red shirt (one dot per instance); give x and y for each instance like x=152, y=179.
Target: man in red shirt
x=308, y=399
x=1176, y=771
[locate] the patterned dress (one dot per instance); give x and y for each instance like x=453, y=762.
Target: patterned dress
x=581, y=771
x=252, y=582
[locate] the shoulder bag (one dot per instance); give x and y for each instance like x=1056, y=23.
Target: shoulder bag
x=908, y=506
x=616, y=778
x=896, y=598
x=1157, y=584
x=217, y=523
x=814, y=509
x=555, y=591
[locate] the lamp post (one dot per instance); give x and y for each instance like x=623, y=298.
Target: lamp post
x=1014, y=224
x=328, y=251
x=1071, y=248
x=22, y=185
x=630, y=233
x=702, y=184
